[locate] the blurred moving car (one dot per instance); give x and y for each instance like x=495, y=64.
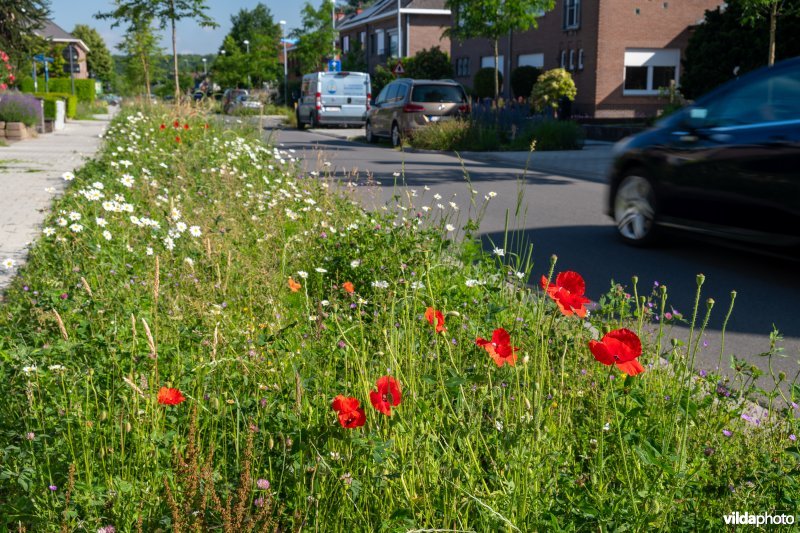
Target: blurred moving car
x=245, y=103
x=229, y=97
x=727, y=166
x=333, y=98
x=406, y=105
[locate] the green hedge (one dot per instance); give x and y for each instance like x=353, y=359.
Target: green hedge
x=84, y=89
x=50, y=107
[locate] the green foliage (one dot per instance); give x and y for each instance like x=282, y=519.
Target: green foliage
x=430, y=64
x=551, y=87
x=314, y=38
x=98, y=60
x=483, y=82
x=458, y=135
x=523, y=79
x=230, y=69
x=721, y=44
x=263, y=34
x=552, y=135
x=381, y=77
x=70, y=103
x=20, y=107
x=18, y=20
x=141, y=65
x=355, y=60
x=85, y=90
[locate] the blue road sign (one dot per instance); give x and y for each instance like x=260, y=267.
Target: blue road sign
x=42, y=59
x=334, y=65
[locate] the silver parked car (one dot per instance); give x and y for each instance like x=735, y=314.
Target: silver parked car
x=333, y=98
x=406, y=105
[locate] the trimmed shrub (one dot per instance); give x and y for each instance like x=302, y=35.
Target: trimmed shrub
x=84, y=89
x=20, y=107
x=483, y=83
x=380, y=79
x=457, y=135
x=432, y=64
x=523, y=79
x=551, y=87
x=553, y=135
x=71, y=103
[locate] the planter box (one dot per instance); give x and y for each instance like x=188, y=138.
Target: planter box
x=49, y=125
x=16, y=131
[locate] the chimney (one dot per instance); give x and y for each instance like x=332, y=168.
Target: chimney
x=359, y=11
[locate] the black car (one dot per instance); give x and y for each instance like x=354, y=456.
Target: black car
x=727, y=166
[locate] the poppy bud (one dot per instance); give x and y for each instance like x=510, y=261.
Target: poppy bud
x=710, y=303
x=701, y=278
x=103, y=415
x=271, y=443
x=128, y=427
x=635, y=279
x=781, y=375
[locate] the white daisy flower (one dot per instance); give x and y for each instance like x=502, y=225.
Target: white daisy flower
x=74, y=216
x=100, y=221
x=302, y=273
x=77, y=228
x=49, y=231
x=194, y=231
x=380, y=284
x=9, y=263
x=148, y=251
x=499, y=252
x=169, y=244
x=355, y=263
x=321, y=270
x=107, y=235
x=450, y=227
x=127, y=180
x=68, y=176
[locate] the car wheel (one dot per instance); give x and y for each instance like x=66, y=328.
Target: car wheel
x=369, y=134
x=300, y=124
x=635, y=209
x=397, y=140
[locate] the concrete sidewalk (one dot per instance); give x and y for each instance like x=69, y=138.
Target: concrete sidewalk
x=30, y=177
x=592, y=163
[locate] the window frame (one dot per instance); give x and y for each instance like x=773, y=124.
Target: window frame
x=571, y=15
x=649, y=58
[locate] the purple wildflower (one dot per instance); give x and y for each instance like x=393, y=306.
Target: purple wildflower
x=53, y=488
x=262, y=484
x=727, y=432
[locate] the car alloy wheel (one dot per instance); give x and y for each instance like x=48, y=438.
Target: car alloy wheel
x=635, y=209
x=396, y=140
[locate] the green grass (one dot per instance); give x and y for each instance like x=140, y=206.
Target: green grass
x=86, y=111
x=556, y=442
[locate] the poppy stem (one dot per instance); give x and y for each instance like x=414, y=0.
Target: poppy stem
x=621, y=445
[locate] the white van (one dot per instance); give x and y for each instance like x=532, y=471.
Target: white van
x=334, y=98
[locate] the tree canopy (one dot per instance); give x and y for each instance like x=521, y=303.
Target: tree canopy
x=315, y=37
x=263, y=34
x=18, y=20
x=98, y=60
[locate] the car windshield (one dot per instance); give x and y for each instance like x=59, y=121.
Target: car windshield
x=438, y=94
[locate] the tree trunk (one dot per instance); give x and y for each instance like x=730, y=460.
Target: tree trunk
x=146, y=70
x=175, y=54
x=496, y=69
x=773, y=25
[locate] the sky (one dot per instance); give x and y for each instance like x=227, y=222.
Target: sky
x=191, y=38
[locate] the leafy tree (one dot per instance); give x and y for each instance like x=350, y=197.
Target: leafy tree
x=315, y=37
x=380, y=78
x=722, y=47
x=98, y=60
x=350, y=6
x=493, y=19
x=141, y=46
x=355, y=60
x=167, y=13
x=432, y=64
x=18, y=20
x=523, y=79
x=757, y=10
x=259, y=29
x=551, y=87
x=230, y=68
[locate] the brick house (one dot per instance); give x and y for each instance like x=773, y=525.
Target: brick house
x=382, y=36
x=619, y=51
x=57, y=35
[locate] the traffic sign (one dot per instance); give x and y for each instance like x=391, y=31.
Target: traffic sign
x=398, y=69
x=334, y=65
x=42, y=59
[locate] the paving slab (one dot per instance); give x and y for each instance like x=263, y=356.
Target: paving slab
x=31, y=177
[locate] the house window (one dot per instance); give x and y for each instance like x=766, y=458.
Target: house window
x=379, y=36
x=462, y=67
x=572, y=59
x=346, y=44
x=530, y=60
x=580, y=59
x=648, y=69
x=392, y=34
x=572, y=14
x=488, y=62
x=363, y=38
x=563, y=59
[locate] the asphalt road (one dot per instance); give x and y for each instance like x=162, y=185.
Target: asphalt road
x=563, y=216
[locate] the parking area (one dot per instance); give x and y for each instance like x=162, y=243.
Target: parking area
x=338, y=132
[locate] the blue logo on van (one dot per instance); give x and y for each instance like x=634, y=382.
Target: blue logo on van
x=331, y=87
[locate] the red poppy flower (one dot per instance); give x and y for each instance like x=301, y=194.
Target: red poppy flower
x=351, y=414
x=163, y=126
x=293, y=285
x=432, y=314
x=568, y=292
x=348, y=287
x=177, y=138
x=387, y=396
x=206, y=125
x=499, y=348
x=167, y=396
x=176, y=124
x=186, y=126
x=620, y=347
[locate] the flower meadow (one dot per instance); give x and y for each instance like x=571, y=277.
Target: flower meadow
x=205, y=338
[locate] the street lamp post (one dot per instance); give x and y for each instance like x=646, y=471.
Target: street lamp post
x=247, y=44
x=285, y=65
